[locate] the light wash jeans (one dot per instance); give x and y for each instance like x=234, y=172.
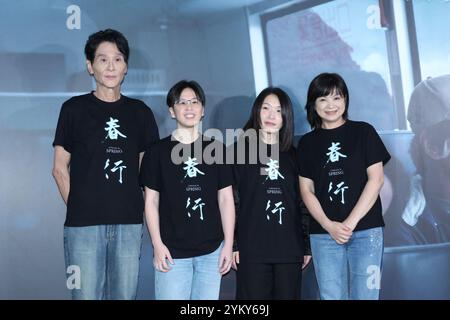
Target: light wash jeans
x=358, y=260
x=196, y=278
x=102, y=262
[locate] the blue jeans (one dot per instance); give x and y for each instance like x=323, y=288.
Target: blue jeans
x=351, y=270
x=196, y=278
x=103, y=261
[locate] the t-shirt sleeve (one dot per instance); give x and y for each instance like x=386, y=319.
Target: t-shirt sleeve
x=63, y=134
x=149, y=130
x=232, y=149
x=293, y=155
x=226, y=177
x=150, y=174
x=235, y=173
x=302, y=161
x=375, y=149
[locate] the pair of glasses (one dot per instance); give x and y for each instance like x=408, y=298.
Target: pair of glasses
x=185, y=102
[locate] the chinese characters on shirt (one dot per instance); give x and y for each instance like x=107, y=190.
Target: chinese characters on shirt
x=334, y=156
x=191, y=172
x=113, y=134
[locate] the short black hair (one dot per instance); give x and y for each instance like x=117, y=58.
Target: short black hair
x=286, y=134
x=108, y=35
x=175, y=92
x=321, y=86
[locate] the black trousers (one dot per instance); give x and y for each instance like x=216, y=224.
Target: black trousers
x=268, y=281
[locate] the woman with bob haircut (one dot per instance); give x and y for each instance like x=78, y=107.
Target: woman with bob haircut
x=189, y=204
x=341, y=174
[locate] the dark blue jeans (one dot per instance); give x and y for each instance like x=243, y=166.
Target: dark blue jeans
x=103, y=261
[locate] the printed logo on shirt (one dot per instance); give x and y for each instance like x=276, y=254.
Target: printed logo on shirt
x=274, y=190
x=334, y=153
x=272, y=171
x=118, y=166
x=196, y=205
x=335, y=172
x=112, y=129
x=193, y=187
x=110, y=167
x=277, y=208
x=191, y=168
x=340, y=188
x=114, y=150
x=334, y=156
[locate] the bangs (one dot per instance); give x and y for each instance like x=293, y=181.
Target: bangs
x=326, y=89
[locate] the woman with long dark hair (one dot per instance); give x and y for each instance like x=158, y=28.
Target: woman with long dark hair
x=270, y=249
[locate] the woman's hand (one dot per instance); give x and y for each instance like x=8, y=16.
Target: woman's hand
x=306, y=261
x=339, y=232
x=161, y=256
x=235, y=260
x=225, y=260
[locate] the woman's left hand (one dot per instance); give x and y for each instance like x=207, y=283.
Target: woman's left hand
x=225, y=260
x=306, y=261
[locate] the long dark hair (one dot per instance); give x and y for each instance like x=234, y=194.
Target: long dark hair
x=286, y=134
x=323, y=85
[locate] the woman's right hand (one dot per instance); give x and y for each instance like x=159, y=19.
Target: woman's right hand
x=339, y=232
x=161, y=257
x=235, y=260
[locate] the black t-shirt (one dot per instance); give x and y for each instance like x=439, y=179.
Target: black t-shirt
x=104, y=140
x=269, y=219
x=189, y=215
x=336, y=161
